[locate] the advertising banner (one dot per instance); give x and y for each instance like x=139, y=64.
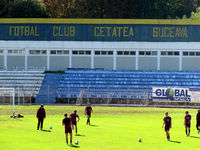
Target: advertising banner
x=99, y=30
x=171, y=94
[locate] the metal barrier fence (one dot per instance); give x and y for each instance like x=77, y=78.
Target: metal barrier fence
x=52, y=94
x=16, y=68
x=7, y=95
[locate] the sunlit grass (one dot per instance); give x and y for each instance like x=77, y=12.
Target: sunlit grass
x=113, y=128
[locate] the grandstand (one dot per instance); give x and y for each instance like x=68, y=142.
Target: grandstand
x=26, y=83
x=131, y=85
x=167, y=52
x=97, y=85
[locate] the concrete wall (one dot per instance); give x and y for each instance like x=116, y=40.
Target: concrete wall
x=191, y=63
x=147, y=63
x=144, y=62
x=103, y=62
x=37, y=61
x=59, y=62
x=169, y=63
x=81, y=62
x=125, y=63
x=1, y=61
x=16, y=61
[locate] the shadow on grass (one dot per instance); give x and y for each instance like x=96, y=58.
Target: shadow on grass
x=46, y=130
x=195, y=137
x=79, y=135
x=174, y=141
x=94, y=125
x=74, y=146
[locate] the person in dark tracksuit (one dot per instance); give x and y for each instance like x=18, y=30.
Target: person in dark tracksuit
x=88, y=111
x=41, y=114
x=198, y=121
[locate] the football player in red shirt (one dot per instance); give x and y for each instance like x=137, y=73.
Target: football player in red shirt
x=73, y=117
x=187, y=123
x=41, y=115
x=168, y=124
x=198, y=120
x=68, y=129
x=88, y=111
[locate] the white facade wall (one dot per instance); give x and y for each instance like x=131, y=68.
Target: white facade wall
x=114, y=61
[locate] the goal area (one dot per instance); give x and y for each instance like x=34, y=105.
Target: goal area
x=15, y=98
x=7, y=96
x=109, y=97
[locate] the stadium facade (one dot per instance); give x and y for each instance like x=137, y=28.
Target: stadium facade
x=119, y=44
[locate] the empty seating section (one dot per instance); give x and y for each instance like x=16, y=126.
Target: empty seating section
x=47, y=93
x=26, y=82
x=121, y=84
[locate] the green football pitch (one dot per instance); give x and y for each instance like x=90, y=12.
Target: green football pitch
x=112, y=128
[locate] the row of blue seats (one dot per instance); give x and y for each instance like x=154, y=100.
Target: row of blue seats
x=119, y=84
x=63, y=80
x=142, y=76
x=129, y=75
x=101, y=96
x=130, y=72
x=166, y=83
x=94, y=90
x=102, y=91
x=126, y=86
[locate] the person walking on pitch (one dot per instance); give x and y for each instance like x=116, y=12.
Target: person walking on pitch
x=187, y=123
x=198, y=121
x=73, y=117
x=168, y=124
x=88, y=111
x=68, y=128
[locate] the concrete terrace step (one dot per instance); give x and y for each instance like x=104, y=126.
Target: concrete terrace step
x=47, y=93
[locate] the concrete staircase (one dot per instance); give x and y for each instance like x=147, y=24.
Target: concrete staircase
x=47, y=93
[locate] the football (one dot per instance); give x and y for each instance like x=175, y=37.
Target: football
x=50, y=127
x=139, y=140
x=76, y=142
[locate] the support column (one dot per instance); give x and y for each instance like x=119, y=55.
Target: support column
x=92, y=59
x=5, y=59
x=158, y=60
x=26, y=53
x=136, y=59
x=48, y=59
x=180, y=60
x=114, y=60
x=70, y=58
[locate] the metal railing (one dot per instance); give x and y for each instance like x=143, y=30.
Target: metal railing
x=16, y=68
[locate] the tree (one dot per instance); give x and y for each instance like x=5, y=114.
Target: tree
x=195, y=15
x=90, y=8
x=186, y=7
x=121, y=9
x=5, y=6
x=27, y=9
x=140, y=9
x=60, y=8
x=166, y=9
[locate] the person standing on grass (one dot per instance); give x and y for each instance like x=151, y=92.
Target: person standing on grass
x=198, y=121
x=168, y=124
x=187, y=123
x=41, y=115
x=88, y=111
x=68, y=128
x=73, y=117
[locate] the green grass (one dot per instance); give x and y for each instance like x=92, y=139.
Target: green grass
x=114, y=129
